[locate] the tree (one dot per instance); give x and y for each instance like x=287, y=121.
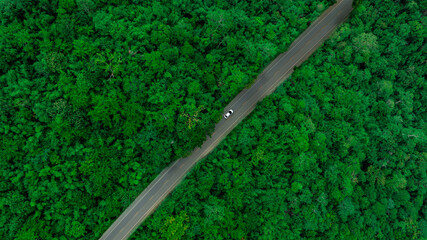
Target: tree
x=107, y=108
x=76, y=229
x=365, y=45
x=174, y=226
x=346, y=132
x=346, y=208
x=134, y=117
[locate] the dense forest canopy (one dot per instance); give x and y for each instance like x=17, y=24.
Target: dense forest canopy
x=337, y=152
x=98, y=97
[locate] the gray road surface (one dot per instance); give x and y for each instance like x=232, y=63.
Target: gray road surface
x=242, y=105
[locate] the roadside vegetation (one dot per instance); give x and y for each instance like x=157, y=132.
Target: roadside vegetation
x=337, y=152
x=97, y=97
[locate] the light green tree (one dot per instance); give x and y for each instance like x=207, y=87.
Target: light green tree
x=174, y=226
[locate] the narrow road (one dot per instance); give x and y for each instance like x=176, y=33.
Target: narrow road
x=243, y=104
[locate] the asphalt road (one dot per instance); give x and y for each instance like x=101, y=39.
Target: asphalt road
x=243, y=104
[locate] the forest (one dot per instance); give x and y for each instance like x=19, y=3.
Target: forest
x=97, y=97
x=337, y=152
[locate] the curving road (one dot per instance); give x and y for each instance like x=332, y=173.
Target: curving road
x=243, y=104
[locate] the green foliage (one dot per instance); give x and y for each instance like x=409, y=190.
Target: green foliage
x=296, y=187
x=365, y=45
x=174, y=227
x=97, y=97
x=345, y=209
x=67, y=5
x=338, y=152
x=76, y=229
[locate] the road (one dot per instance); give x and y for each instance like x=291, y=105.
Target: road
x=243, y=104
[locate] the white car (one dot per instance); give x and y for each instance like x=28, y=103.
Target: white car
x=228, y=113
